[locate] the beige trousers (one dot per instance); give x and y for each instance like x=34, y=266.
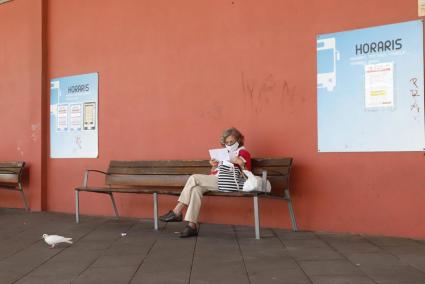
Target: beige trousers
x=192, y=193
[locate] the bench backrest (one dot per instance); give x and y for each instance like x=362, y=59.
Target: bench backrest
x=278, y=172
x=11, y=172
x=154, y=173
x=174, y=173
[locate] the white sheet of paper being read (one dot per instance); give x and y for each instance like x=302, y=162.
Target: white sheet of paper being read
x=219, y=154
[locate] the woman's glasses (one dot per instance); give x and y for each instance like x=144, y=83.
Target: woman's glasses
x=229, y=142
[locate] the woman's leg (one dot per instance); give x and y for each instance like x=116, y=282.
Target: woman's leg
x=178, y=209
x=194, y=205
x=195, y=186
x=208, y=182
x=203, y=183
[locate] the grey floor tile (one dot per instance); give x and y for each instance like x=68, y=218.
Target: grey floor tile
x=117, y=275
x=393, y=241
x=373, y=259
x=220, y=252
x=395, y=274
x=386, y=268
x=339, y=279
x=400, y=250
x=339, y=236
x=113, y=261
x=167, y=276
x=43, y=279
x=361, y=246
x=307, y=243
x=415, y=260
x=169, y=260
x=302, y=253
x=265, y=256
x=65, y=266
x=291, y=276
x=329, y=267
x=289, y=235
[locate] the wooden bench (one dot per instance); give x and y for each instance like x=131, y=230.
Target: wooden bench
x=169, y=177
x=11, y=178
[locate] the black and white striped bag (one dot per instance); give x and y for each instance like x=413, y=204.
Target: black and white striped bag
x=230, y=178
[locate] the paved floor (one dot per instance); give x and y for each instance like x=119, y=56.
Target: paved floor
x=221, y=254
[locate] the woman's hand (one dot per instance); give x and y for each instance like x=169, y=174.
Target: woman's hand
x=214, y=163
x=238, y=161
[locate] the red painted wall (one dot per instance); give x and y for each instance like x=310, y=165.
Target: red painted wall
x=21, y=84
x=173, y=74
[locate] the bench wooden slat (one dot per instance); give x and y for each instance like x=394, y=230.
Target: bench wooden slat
x=137, y=190
x=267, y=162
x=271, y=171
x=161, y=190
x=233, y=194
x=11, y=164
x=10, y=170
x=159, y=163
x=9, y=178
x=147, y=180
x=160, y=170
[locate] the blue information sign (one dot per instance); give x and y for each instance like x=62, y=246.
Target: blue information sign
x=74, y=116
x=370, y=89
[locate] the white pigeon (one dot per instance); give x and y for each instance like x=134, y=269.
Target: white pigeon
x=53, y=240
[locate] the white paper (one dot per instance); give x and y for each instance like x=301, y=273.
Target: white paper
x=219, y=154
x=62, y=120
x=379, y=85
x=229, y=164
x=76, y=117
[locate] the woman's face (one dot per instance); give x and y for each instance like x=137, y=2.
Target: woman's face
x=230, y=140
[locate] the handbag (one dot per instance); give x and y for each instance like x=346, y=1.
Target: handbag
x=230, y=177
x=255, y=183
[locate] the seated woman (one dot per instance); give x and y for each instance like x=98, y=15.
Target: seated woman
x=198, y=184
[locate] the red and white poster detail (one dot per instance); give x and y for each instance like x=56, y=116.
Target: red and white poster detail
x=379, y=85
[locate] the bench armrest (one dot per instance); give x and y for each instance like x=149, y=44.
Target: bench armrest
x=86, y=176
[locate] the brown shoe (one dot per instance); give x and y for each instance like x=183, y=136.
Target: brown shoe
x=171, y=217
x=188, y=231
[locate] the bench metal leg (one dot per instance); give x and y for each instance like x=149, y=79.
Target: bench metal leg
x=291, y=211
x=256, y=218
x=114, y=205
x=155, y=210
x=77, y=207
x=23, y=197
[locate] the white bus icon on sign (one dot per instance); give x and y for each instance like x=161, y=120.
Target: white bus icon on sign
x=327, y=55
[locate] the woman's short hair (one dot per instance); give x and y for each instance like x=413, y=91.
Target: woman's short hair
x=232, y=132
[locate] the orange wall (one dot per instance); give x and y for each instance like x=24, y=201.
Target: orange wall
x=173, y=74
x=21, y=86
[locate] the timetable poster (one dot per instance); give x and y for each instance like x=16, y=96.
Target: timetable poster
x=370, y=89
x=74, y=116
